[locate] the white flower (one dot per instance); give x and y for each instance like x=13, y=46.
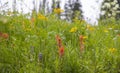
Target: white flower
x=115, y=38
x=115, y=8
x=109, y=15
x=113, y=14
x=103, y=6
x=116, y=30
x=103, y=12
x=112, y=3
x=115, y=1
x=110, y=28
x=117, y=5
x=118, y=11
x=107, y=5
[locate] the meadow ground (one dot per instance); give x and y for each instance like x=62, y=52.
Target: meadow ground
x=45, y=44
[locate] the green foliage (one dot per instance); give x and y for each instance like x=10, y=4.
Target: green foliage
x=32, y=47
x=4, y=23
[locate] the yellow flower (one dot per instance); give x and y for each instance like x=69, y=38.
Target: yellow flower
x=85, y=37
x=58, y=10
x=74, y=29
x=106, y=31
x=41, y=17
x=90, y=28
x=27, y=29
x=112, y=50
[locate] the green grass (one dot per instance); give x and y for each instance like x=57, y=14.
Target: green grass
x=32, y=46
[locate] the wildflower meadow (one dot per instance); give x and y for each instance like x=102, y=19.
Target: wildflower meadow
x=46, y=44
x=59, y=36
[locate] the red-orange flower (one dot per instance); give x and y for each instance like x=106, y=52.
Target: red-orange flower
x=4, y=35
x=0, y=34
x=32, y=20
x=81, y=43
x=61, y=51
x=60, y=46
x=59, y=41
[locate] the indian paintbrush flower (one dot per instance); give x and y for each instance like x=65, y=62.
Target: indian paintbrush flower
x=61, y=51
x=32, y=20
x=82, y=46
x=59, y=41
x=4, y=35
x=60, y=46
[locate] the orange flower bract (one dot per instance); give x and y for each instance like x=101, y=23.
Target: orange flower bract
x=59, y=41
x=60, y=46
x=81, y=43
x=32, y=20
x=61, y=51
x=4, y=35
